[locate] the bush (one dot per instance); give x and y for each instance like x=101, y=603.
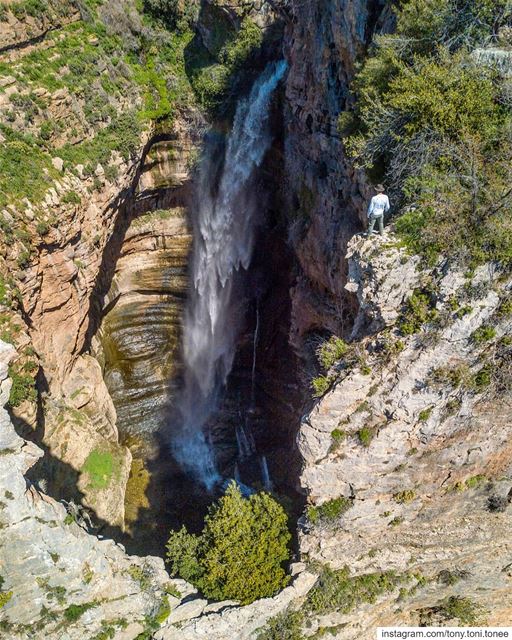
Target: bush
x=366, y=435
x=215, y=78
x=175, y=14
x=329, y=511
x=338, y=591
x=424, y=415
x=71, y=197
x=284, y=626
x=75, y=611
x=23, y=386
x=331, y=351
x=464, y=609
x=5, y=596
x=338, y=436
x=483, y=334
x=241, y=551
x=419, y=309
x=321, y=385
x=403, y=497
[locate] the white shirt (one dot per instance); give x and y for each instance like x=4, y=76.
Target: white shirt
x=379, y=205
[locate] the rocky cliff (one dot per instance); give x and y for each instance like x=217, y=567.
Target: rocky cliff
x=404, y=450
x=413, y=436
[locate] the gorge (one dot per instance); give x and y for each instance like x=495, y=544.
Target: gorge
x=180, y=259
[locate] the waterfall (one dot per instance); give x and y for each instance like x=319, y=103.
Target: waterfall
x=265, y=474
x=254, y=350
x=225, y=218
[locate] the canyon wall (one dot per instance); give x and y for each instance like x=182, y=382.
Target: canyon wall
x=410, y=437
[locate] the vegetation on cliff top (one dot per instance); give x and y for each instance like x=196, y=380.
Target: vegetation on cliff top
x=434, y=120
x=241, y=551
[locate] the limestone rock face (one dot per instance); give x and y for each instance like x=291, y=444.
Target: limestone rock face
x=49, y=562
x=425, y=441
x=382, y=279
x=140, y=332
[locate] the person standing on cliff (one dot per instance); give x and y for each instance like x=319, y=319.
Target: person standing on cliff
x=379, y=206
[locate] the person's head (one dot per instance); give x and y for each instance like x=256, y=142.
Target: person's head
x=380, y=188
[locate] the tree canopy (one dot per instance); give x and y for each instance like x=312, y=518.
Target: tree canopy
x=241, y=552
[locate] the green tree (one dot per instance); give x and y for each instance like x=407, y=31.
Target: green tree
x=434, y=121
x=241, y=551
x=176, y=14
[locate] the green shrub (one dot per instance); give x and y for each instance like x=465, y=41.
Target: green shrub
x=75, y=611
x=176, y=14
x=475, y=481
x=424, y=415
x=241, y=551
x=142, y=575
x=483, y=334
x=482, y=378
x=419, y=309
x=403, y=497
x=329, y=511
x=164, y=611
x=455, y=377
x=338, y=436
x=366, y=435
x=172, y=590
x=331, y=351
x=338, y=591
x=284, y=626
x=5, y=596
x=71, y=197
x=464, y=609
x=25, y=170
x=42, y=227
x=23, y=386
x=215, y=78
x=321, y=385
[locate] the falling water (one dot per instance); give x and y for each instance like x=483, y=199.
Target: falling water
x=224, y=229
x=265, y=475
x=254, y=351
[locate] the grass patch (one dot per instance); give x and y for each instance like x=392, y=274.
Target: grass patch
x=321, y=385
x=5, y=597
x=331, y=351
x=338, y=436
x=425, y=414
x=464, y=610
x=23, y=383
x=101, y=467
x=366, y=435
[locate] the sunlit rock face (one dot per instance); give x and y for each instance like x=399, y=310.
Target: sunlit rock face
x=140, y=332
